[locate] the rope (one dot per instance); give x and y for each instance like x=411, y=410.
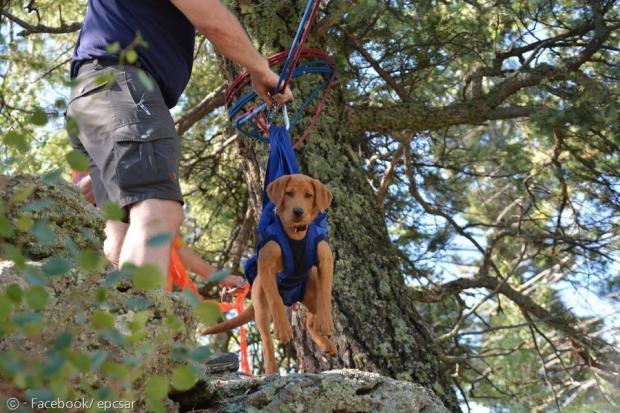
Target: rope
x=177, y=275
x=289, y=70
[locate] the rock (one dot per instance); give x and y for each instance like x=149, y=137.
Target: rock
x=341, y=391
x=76, y=295
x=56, y=206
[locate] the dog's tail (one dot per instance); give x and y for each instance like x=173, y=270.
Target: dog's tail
x=245, y=317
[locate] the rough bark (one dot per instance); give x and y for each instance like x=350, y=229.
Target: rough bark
x=378, y=328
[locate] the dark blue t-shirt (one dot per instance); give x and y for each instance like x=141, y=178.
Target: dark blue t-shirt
x=169, y=34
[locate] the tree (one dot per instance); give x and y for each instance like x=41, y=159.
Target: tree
x=472, y=149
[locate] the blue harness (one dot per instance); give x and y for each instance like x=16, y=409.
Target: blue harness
x=292, y=280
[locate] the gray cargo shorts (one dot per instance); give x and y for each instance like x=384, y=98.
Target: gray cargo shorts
x=127, y=133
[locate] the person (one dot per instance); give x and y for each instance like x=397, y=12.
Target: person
x=130, y=65
x=189, y=259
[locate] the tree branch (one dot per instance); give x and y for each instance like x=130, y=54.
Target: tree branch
x=40, y=28
x=207, y=105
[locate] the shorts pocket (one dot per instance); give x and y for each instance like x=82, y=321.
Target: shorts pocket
x=92, y=83
x=141, y=163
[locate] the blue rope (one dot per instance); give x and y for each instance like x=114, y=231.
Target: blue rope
x=294, y=45
x=312, y=67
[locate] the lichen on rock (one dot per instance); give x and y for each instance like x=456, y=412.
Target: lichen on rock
x=343, y=391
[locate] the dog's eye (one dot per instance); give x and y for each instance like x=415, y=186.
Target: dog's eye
x=289, y=194
x=309, y=195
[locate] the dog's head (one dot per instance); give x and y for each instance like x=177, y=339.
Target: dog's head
x=298, y=200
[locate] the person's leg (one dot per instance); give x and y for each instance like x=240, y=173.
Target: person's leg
x=148, y=219
x=114, y=237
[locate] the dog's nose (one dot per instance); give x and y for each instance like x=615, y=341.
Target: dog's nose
x=298, y=212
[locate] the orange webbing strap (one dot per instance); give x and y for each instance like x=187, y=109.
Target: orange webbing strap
x=243, y=340
x=177, y=275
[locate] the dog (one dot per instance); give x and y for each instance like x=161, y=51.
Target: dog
x=298, y=200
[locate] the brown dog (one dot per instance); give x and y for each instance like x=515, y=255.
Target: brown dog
x=298, y=200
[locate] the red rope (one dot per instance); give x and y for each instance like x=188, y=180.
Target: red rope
x=177, y=275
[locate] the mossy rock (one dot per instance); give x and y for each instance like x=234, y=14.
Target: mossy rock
x=54, y=207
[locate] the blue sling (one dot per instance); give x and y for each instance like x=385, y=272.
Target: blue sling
x=292, y=280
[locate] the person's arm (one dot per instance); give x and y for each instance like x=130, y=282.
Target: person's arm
x=222, y=28
x=194, y=263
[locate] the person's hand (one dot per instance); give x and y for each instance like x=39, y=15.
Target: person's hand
x=264, y=82
x=86, y=189
x=232, y=281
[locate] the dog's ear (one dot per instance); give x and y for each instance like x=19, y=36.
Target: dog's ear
x=275, y=190
x=322, y=195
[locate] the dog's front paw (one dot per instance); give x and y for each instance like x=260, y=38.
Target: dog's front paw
x=324, y=324
x=283, y=330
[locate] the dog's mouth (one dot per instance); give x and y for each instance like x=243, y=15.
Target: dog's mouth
x=300, y=228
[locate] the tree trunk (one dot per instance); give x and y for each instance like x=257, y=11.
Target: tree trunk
x=377, y=327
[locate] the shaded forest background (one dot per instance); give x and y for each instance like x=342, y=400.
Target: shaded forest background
x=485, y=136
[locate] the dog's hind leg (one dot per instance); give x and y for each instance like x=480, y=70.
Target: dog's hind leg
x=324, y=322
x=310, y=302
x=262, y=316
x=269, y=263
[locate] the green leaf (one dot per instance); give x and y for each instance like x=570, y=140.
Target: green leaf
x=138, y=303
x=208, y=312
x=39, y=117
x=14, y=254
x=14, y=292
x=34, y=275
x=200, y=353
x=113, y=212
x=52, y=176
x=6, y=229
x=173, y=323
x=90, y=261
x=80, y=360
x=159, y=239
x=101, y=319
x=56, y=266
x=17, y=141
x=157, y=387
x=77, y=161
x=146, y=80
x=72, y=127
x=23, y=194
x=138, y=321
x=5, y=307
x=105, y=79
x=97, y=358
x=62, y=342
x=148, y=277
x=24, y=223
x=42, y=231
x=131, y=56
x=37, y=297
x=24, y=318
x=113, y=48
x=116, y=370
x=183, y=378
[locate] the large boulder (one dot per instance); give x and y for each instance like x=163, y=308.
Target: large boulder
x=342, y=391
x=80, y=302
